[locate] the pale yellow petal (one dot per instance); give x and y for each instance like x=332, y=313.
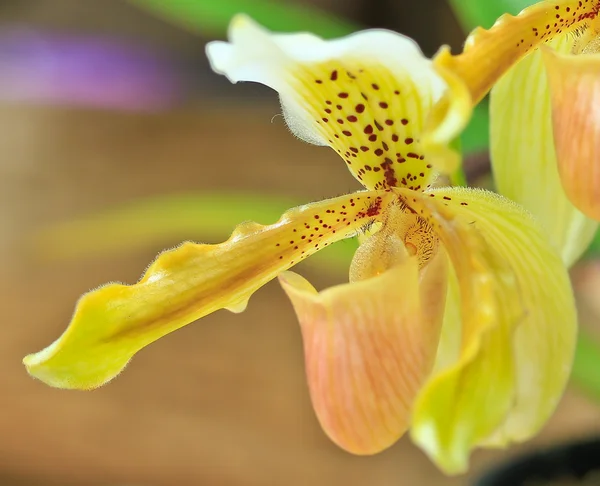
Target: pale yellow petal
x=112, y=323
x=518, y=329
x=523, y=155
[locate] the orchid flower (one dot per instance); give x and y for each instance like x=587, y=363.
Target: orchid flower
x=458, y=322
x=545, y=129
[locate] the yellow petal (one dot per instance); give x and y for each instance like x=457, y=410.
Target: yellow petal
x=448, y=117
x=488, y=54
x=367, y=95
x=575, y=92
x=112, y=323
x=523, y=154
x=518, y=329
x=450, y=337
x=369, y=346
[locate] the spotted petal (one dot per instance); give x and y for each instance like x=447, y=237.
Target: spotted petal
x=523, y=151
x=518, y=329
x=369, y=347
x=368, y=96
x=112, y=323
x=488, y=54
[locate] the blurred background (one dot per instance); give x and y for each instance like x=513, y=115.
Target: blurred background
x=117, y=141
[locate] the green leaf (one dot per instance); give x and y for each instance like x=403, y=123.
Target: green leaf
x=476, y=136
x=211, y=17
x=593, y=251
x=586, y=367
x=483, y=13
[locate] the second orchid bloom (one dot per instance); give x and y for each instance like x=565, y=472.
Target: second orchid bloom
x=544, y=67
x=458, y=322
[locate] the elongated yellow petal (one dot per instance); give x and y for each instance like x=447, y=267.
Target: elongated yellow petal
x=523, y=154
x=518, y=329
x=112, y=323
x=488, y=54
x=368, y=96
x=575, y=93
x=369, y=346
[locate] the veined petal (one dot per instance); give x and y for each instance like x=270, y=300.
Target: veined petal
x=112, y=323
x=488, y=54
x=367, y=96
x=523, y=154
x=575, y=93
x=518, y=329
x=369, y=346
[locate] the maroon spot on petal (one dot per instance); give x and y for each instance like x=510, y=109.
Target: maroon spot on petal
x=408, y=141
x=374, y=86
x=343, y=95
x=318, y=81
x=334, y=75
x=360, y=108
x=383, y=104
x=404, y=121
x=389, y=122
x=395, y=138
x=347, y=133
x=368, y=129
x=351, y=118
x=372, y=138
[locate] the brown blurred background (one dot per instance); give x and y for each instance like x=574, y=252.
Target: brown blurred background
x=221, y=402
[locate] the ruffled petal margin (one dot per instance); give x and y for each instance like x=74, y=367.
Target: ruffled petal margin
x=112, y=323
x=369, y=347
x=488, y=54
x=518, y=329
